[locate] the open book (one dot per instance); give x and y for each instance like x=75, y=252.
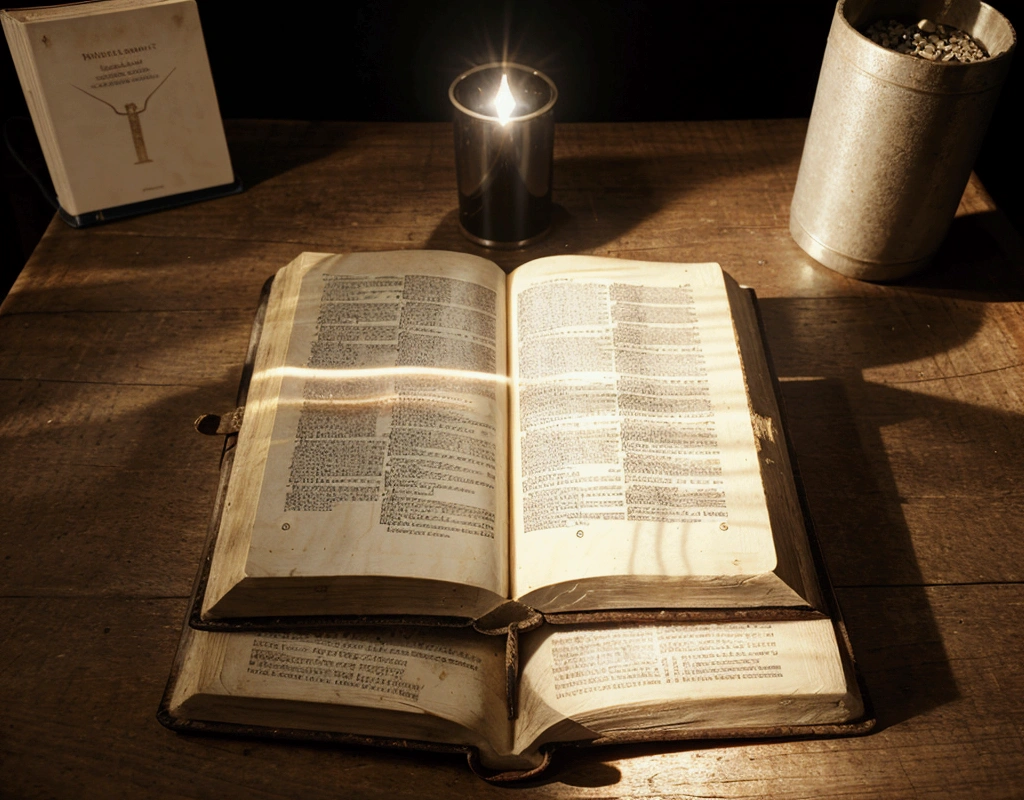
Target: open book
x=426, y=436
x=122, y=100
x=444, y=689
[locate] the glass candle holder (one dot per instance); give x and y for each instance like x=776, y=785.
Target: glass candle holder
x=504, y=164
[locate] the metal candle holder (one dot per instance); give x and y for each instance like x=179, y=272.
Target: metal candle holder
x=504, y=171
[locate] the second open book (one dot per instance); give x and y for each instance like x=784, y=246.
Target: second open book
x=427, y=436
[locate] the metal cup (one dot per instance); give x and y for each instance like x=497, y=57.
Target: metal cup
x=892, y=138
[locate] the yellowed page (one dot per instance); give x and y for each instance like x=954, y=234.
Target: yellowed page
x=634, y=453
x=127, y=97
x=441, y=685
x=376, y=432
x=660, y=679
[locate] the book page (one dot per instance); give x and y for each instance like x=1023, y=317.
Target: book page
x=127, y=97
x=389, y=434
x=377, y=438
x=439, y=685
x=670, y=679
x=633, y=448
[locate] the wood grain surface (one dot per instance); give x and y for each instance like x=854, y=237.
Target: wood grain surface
x=905, y=405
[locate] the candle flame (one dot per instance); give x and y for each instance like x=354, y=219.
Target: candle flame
x=504, y=102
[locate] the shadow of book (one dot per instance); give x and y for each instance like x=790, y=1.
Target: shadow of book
x=261, y=150
x=892, y=406
x=858, y=514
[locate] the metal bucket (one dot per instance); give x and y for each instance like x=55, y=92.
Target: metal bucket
x=892, y=138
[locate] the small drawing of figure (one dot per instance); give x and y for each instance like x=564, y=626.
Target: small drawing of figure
x=132, y=111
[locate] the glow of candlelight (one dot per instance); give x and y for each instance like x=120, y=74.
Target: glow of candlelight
x=504, y=102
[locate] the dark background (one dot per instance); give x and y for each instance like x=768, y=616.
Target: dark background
x=625, y=60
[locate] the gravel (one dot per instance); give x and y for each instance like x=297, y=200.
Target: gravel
x=926, y=39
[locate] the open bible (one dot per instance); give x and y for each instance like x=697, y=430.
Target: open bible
x=426, y=436
x=584, y=458
x=444, y=688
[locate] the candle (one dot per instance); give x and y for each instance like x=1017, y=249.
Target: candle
x=504, y=146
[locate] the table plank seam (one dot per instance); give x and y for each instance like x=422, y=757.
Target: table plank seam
x=995, y=370
x=220, y=310
x=4, y=379
x=923, y=585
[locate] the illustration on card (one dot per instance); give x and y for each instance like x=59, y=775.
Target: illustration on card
x=133, y=112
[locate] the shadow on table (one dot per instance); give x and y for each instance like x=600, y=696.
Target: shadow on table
x=262, y=150
x=448, y=236
x=599, y=200
x=857, y=510
x=896, y=410
x=982, y=258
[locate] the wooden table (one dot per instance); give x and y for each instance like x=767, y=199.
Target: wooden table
x=906, y=406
